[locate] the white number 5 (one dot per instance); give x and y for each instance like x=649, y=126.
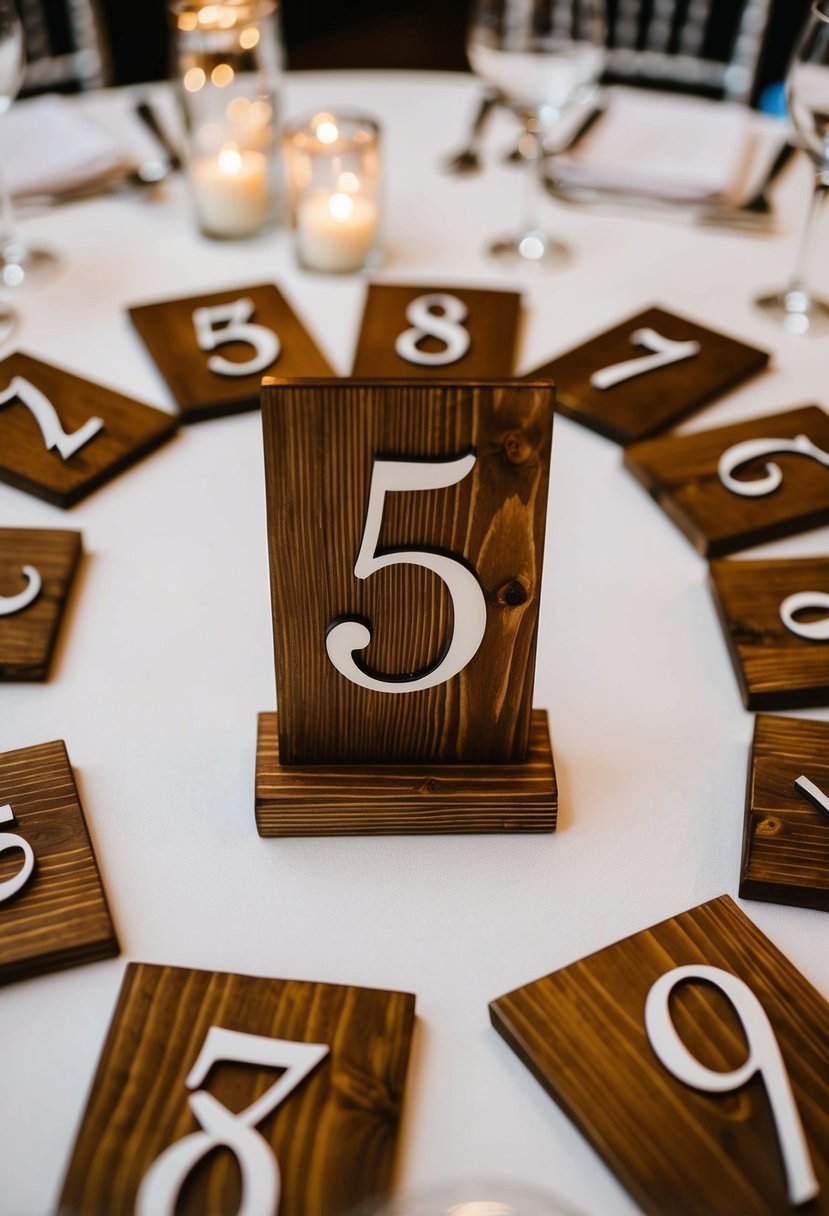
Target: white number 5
x=9, y=840
x=234, y=319
x=468, y=604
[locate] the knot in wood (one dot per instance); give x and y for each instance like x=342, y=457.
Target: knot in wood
x=513, y=594
x=429, y=786
x=517, y=447
x=768, y=826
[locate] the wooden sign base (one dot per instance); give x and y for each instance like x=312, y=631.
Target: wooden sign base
x=404, y=799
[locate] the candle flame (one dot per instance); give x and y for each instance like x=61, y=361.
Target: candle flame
x=341, y=206
x=327, y=132
x=230, y=160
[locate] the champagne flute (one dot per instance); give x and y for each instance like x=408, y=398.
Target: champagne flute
x=19, y=265
x=545, y=57
x=807, y=90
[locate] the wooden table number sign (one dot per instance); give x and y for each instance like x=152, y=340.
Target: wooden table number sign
x=406, y=526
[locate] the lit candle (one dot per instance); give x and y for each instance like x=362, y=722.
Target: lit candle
x=231, y=192
x=335, y=230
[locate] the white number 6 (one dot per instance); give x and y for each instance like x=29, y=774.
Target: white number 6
x=763, y=1057
x=9, y=840
x=468, y=604
x=9, y=604
x=234, y=319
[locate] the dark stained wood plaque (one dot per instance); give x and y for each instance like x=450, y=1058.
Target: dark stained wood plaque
x=400, y=799
x=679, y=1150
x=333, y=1135
x=323, y=442
x=652, y=398
x=681, y=473
x=171, y=336
x=128, y=431
x=455, y=331
x=59, y=916
x=775, y=667
x=28, y=632
x=785, y=836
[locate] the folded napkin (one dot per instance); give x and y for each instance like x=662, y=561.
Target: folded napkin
x=667, y=147
x=47, y=146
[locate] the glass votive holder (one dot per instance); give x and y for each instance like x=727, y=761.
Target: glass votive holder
x=228, y=61
x=333, y=173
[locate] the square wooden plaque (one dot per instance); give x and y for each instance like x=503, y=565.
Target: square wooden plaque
x=681, y=473
x=169, y=333
x=679, y=1150
x=130, y=430
x=646, y=404
x=27, y=636
x=404, y=799
x=775, y=668
x=321, y=442
x=491, y=321
x=60, y=915
x=333, y=1136
x=785, y=837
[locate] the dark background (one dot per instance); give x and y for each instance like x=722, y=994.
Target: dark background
x=378, y=34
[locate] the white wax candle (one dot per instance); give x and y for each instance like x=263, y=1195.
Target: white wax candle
x=231, y=192
x=335, y=230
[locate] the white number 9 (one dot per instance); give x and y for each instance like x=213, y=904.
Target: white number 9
x=763, y=1057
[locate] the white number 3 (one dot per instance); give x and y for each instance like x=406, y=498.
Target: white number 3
x=234, y=320
x=261, y=1185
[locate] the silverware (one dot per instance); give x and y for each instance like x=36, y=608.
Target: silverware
x=145, y=112
x=468, y=159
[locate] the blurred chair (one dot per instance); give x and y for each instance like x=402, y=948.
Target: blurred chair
x=65, y=45
x=702, y=46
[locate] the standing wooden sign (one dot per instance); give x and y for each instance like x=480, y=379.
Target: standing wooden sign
x=406, y=529
x=786, y=830
x=37, y=566
x=775, y=617
x=645, y=375
x=213, y=350
x=61, y=437
x=53, y=910
x=695, y=1058
x=437, y=332
x=301, y=1083
x=743, y=484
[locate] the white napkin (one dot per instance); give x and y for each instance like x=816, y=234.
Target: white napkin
x=668, y=147
x=48, y=147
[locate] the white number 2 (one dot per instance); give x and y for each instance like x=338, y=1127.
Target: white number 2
x=344, y=637
x=813, y=631
x=445, y=325
x=763, y=1057
x=10, y=604
x=754, y=449
x=231, y=323
x=261, y=1180
x=665, y=352
x=45, y=415
x=9, y=840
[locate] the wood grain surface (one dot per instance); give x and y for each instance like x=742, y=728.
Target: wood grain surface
x=492, y=322
x=131, y=430
x=325, y=800
x=168, y=333
x=785, y=837
x=333, y=1137
x=27, y=637
x=60, y=917
x=680, y=472
x=647, y=404
x=679, y=1151
x=321, y=438
x=775, y=668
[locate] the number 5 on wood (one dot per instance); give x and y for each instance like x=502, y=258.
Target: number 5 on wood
x=345, y=637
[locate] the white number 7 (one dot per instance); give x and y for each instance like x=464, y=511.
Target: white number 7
x=45, y=415
x=665, y=352
x=344, y=637
x=763, y=1057
x=234, y=319
x=261, y=1184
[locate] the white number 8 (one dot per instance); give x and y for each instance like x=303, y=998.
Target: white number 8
x=445, y=325
x=763, y=1057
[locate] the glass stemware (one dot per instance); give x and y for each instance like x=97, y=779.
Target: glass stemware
x=545, y=57
x=807, y=90
x=19, y=265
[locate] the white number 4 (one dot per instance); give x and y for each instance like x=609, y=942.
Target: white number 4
x=344, y=637
x=232, y=323
x=261, y=1182
x=45, y=415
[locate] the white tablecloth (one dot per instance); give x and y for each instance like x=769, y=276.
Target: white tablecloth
x=166, y=659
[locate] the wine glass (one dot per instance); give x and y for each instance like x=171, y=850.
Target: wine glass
x=19, y=265
x=807, y=90
x=545, y=57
